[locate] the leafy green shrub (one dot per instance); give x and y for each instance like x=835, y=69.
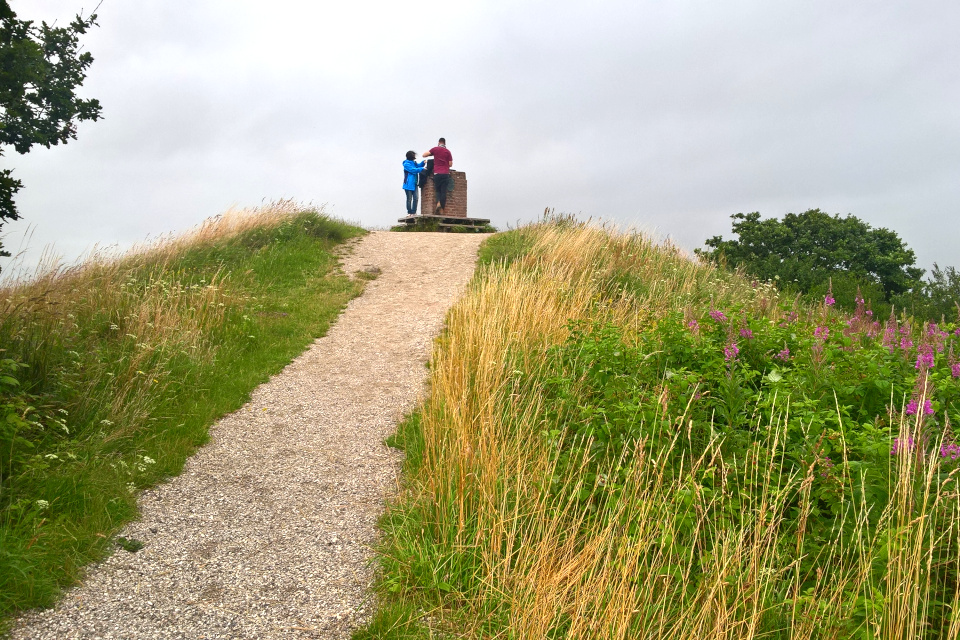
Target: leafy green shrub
x=849, y=394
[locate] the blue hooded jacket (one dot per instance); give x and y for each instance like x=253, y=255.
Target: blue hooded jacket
x=410, y=170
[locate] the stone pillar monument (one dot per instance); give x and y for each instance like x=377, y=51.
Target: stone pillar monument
x=456, y=199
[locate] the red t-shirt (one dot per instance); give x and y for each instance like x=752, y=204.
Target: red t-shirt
x=442, y=159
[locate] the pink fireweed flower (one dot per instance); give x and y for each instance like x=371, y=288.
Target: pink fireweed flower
x=890, y=336
x=898, y=445
x=950, y=450
x=731, y=351
x=924, y=357
x=828, y=300
x=955, y=369
x=956, y=331
x=791, y=317
x=860, y=310
x=784, y=355
x=746, y=333
x=913, y=406
x=694, y=326
x=718, y=315
x=821, y=333
x=816, y=350
x=906, y=337
x=939, y=336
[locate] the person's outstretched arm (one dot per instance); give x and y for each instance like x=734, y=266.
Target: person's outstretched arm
x=426, y=154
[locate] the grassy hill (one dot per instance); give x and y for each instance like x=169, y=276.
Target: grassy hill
x=620, y=442
x=113, y=370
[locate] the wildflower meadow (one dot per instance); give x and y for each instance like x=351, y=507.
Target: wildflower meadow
x=623, y=442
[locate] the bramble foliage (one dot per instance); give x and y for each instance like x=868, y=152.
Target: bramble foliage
x=804, y=250
x=41, y=69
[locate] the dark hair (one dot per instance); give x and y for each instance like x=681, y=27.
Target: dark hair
x=411, y=155
x=443, y=141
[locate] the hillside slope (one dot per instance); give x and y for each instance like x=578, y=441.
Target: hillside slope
x=621, y=442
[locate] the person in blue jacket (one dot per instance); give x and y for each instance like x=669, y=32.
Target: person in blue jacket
x=410, y=170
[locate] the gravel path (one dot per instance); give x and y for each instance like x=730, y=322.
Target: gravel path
x=267, y=533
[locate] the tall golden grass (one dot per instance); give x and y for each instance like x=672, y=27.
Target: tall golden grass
x=552, y=569
x=153, y=314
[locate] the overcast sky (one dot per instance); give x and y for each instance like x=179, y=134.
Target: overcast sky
x=668, y=116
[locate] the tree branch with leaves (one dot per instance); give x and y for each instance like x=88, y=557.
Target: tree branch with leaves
x=41, y=68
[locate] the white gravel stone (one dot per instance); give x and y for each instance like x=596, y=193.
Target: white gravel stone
x=267, y=533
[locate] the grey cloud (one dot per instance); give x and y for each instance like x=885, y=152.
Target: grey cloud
x=667, y=115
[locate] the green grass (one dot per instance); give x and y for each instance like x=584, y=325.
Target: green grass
x=127, y=364
x=620, y=442
x=431, y=226
x=505, y=247
x=399, y=614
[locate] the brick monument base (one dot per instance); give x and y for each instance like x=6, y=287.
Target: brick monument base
x=456, y=199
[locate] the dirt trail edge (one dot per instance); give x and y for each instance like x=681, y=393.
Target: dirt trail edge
x=267, y=533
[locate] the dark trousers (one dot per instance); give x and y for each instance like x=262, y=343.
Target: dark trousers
x=411, y=201
x=441, y=183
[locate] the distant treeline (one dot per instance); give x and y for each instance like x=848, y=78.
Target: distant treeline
x=823, y=255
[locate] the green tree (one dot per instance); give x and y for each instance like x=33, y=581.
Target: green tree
x=943, y=292
x=40, y=69
x=939, y=298
x=807, y=249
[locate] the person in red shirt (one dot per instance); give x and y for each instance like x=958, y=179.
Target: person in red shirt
x=442, y=161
